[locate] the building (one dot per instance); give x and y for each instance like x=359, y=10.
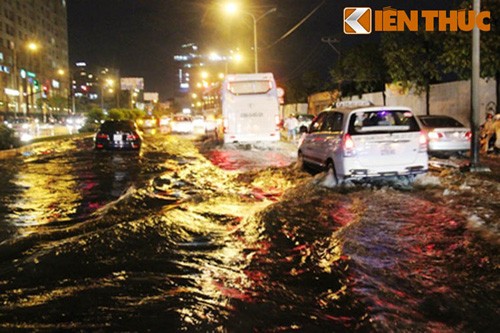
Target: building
x=198, y=71
x=33, y=56
x=94, y=86
x=189, y=60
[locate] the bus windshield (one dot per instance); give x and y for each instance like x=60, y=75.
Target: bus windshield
x=249, y=87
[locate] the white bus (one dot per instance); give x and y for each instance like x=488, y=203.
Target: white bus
x=248, y=104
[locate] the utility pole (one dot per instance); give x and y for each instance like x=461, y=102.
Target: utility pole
x=330, y=41
x=475, y=166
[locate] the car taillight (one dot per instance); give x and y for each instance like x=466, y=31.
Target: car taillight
x=468, y=135
x=224, y=125
x=132, y=136
x=433, y=135
x=348, y=146
x=422, y=142
x=102, y=136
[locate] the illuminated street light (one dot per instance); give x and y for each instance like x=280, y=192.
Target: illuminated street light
x=108, y=83
x=32, y=46
x=237, y=57
x=232, y=8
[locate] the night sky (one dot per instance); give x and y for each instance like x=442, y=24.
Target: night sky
x=140, y=37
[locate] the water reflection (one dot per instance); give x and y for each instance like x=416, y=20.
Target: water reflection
x=51, y=188
x=246, y=252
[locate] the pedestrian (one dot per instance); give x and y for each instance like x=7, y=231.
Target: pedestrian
x=487, y=133
x=291, y=124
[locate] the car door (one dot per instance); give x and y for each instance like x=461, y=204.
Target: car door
x=309, y=144
x=328, y=139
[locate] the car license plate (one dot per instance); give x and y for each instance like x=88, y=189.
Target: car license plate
x=117, y=137
x=387, y=150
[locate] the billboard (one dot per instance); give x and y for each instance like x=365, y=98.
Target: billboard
x=151, y=96
x=132, y=83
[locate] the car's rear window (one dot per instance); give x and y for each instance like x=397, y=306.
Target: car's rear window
x=249, y=87
x=382, y=121
x=440, y=122
x=117, y=126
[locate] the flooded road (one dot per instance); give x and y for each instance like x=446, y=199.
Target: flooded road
x=170, y=240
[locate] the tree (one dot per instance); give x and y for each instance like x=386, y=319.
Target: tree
x=457, y=50
x=8, y=138
x=412, y=58
x=362, y=69
x=58, y=104
x=298, y=89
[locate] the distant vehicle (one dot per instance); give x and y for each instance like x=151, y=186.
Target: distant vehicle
x=147, y=122
x=24, y=128
x=445, y=135
x=181, y=123
x=305, y=120
x=118, y=134
x=199, y=124
x=248, y=105
x=365, y=142
x=75, y=122
x=164, y=121
x=211, y=123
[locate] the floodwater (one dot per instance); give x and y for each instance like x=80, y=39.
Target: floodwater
x=169, y=240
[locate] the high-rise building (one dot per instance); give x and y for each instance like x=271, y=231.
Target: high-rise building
x=33, y=55
x=189, y=60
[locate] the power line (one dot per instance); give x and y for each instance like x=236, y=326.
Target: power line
x=295, y=27
x=308, y=61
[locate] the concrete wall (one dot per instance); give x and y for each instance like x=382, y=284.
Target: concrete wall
x=454, y=98
x=296, y=108
x=451, y=98
x=321, y=100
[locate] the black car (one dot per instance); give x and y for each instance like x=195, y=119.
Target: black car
x=118, y=134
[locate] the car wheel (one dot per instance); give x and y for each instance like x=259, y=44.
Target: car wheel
x=301, y=165
x=330, y=168
x=411, y=179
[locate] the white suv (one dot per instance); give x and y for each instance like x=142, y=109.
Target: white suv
x=365, y=142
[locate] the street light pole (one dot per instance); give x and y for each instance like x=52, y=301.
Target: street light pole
x=255, y=47
x=232, y=8
x=255, y=52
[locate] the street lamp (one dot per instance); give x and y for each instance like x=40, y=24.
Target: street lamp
x=32, y=48
x=108, y=83
x=232, y=9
